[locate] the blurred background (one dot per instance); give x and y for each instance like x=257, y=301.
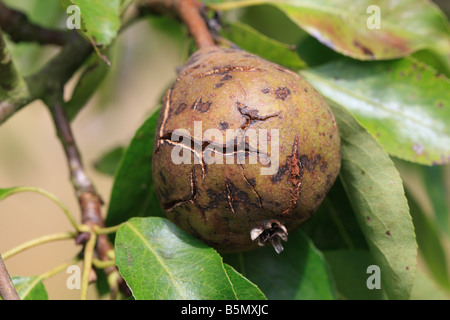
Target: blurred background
x=144, y=63
x=31, y=154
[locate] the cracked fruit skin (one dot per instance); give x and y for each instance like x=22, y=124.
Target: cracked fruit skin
x=233, y=207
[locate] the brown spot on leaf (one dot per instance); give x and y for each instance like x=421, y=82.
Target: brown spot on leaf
x=266, y=90
x=218, y=85
x=388, y=233
x=366, y=51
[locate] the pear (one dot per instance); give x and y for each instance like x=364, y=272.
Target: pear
x=245, y=150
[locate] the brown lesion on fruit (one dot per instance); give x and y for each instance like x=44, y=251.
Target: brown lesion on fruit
x=215, y=199
x=295, y=168
x=310, y=163
x=323, y=166
x=271, y=231
x=226, y=77
x=229, y=196
x=280, y=173
x=284, y=70
x=252, y=183
x=170, y=206
x=190, y=198
x=224, y=70
x=167, y=99
x=236, y=197
x=200, y=105
x=236, y=148
x=167, y=138
x=252, y=115
x=180, y=108
x=188, y=71
x=224, y=125
x=282, y=93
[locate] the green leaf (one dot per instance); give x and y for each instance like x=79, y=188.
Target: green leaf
x=30, y=288
x=348, y=27
x=244, y=289
x=110, y=161
x=299, y=272
x=252, y=41
x=349, y=268
x=270, y=21
x=376, y=194
x=315, y=53
x=425, y=289
x=93, y=74
x=430, y=244
x=133, y=194
x=403, y=103
x=436, y=61
x=160, y=261
x=334, y=225
x=100, y=19
x=434, y=178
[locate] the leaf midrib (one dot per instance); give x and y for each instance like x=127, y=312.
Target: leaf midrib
x=172, y=277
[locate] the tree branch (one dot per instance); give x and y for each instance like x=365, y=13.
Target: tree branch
x=61, y=67
x=16, y=92
x=7, y=290
x=20, y=29
x=90, y=202
x=190, y=13
x=13, y=89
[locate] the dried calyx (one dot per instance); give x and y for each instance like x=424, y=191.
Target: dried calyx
x=273, y=232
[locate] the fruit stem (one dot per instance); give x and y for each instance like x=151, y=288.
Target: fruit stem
x=189, y=11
